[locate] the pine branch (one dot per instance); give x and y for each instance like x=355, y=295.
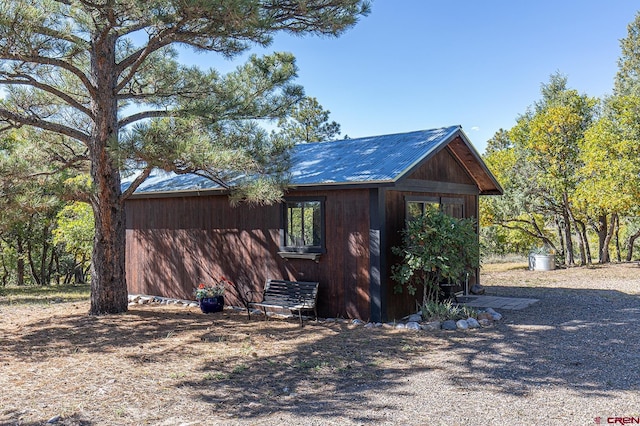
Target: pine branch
x=25, y=79
x=44, y=60
x=204, y=174
x=18, y=120
x=136, y=183
x=144, y=115
x=133, y=62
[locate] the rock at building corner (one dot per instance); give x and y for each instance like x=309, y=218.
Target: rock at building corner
x=432, y=326
x=477, y=289
x=449, y=325
x=413, y=325
x=473, y=323
x=462, y=324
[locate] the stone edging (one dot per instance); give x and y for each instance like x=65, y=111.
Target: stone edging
x=486, y=317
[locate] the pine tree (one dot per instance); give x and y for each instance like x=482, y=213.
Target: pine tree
x=105, y=75
x=309, y=122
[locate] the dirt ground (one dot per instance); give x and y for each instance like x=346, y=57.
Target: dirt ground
x=168, y=365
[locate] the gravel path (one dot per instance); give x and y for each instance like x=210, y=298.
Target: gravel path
x=569, y=359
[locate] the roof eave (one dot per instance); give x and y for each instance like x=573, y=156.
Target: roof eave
x=497, y=188
x=179, y=193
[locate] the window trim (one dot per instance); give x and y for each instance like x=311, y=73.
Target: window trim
x=418, y=199
x=440, y=201
x=302, y=252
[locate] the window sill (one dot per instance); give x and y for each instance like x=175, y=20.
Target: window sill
x=294, y=255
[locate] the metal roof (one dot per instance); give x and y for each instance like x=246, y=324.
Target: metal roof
x=375, y=159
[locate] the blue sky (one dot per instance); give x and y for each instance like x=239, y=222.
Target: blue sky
x=419, y=64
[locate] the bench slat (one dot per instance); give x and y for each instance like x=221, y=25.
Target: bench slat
x=292, y=295
x=278, y=305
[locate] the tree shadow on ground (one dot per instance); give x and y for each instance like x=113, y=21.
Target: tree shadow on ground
x=328, y=377
x=99, y=334
x=272, y=365
x=580, y=340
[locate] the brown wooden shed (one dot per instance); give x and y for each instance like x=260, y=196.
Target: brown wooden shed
x=348, y=202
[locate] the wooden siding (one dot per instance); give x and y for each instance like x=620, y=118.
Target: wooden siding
x=343, y=271
x=442, y=167
x=399, y=305
x=175, y=243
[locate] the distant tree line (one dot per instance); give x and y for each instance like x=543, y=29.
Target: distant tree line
x=570, y=168
x=44, y=237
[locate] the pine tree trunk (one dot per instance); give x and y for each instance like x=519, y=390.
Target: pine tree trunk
x=20, y=264
x=108, y=281
x=32, y=264
x=44, y=275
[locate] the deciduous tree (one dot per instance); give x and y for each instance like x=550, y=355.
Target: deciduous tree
x=537, y=162
x=610, y=178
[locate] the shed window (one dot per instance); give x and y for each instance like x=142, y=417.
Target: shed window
x=415, y=206
x=452, y=206
x=303, y=226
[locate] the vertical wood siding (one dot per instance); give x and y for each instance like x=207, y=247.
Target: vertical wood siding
x=177, y=242
x=343, y=271
x=442, y=167
x=174, y=243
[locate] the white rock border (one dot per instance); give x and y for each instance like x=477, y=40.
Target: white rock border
x=486, y=317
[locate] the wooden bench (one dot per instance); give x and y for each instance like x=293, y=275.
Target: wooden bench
x=292, y=295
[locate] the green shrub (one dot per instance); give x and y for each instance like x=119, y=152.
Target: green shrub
x=443, y=311
x=436, y=248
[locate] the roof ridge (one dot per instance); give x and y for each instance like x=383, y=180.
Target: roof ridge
x=447, y=128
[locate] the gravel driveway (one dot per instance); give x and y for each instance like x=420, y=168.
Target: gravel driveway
x=573, y=358
x=569, y=359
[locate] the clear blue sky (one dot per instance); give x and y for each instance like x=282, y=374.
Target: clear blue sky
x=419, y=64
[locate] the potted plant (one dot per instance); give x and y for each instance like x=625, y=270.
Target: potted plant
x=211, y=296
x=436, y=250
